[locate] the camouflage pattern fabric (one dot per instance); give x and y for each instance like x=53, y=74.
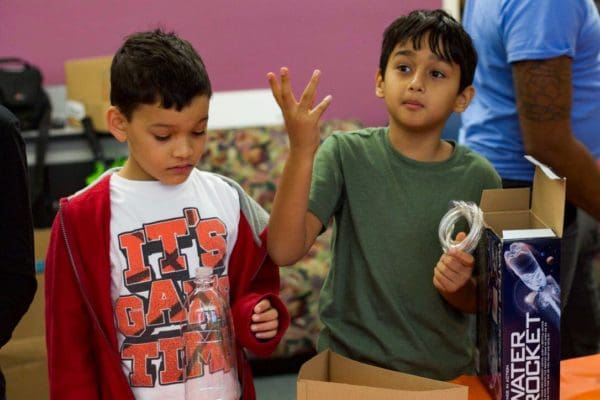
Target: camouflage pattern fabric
x=254, y=158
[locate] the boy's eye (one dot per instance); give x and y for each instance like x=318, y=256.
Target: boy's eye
x=199, y=133
x=438, y=74
x=161, y=138
x=403, y=68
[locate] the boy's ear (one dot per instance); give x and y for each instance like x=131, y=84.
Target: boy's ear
x=464, y=99
x=116, y=123
x=379, y=83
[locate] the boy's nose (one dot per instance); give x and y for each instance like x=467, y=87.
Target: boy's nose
x=182, y=149
x=416, y=83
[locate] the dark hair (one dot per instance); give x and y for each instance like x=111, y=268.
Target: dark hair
x=447, y=40
x=153, y=67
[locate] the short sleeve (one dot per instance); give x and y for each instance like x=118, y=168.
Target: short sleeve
x=327, y=180
x=526, y=38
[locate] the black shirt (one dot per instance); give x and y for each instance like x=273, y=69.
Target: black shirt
x=17, y=264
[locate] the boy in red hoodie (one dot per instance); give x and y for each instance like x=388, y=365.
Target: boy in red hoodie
x=124, y=250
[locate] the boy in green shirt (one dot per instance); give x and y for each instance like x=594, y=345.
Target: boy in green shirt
x=391, y=298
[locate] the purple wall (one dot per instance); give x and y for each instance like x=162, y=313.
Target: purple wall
x=240, y=41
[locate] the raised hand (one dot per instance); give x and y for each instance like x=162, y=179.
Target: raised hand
x=301, y=116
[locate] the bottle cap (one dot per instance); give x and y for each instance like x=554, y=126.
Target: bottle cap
x=203, y=272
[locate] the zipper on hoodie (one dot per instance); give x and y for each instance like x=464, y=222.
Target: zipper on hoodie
x=78, y=278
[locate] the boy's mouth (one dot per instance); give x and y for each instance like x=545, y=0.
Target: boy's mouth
x=413, y=104
x=181, y=168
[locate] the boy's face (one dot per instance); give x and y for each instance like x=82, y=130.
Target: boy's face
x=164, y=144
x=420, y=90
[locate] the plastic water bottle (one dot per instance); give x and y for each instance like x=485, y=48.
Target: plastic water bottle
x=210, y=370
x=524, y=264
x=545, y=291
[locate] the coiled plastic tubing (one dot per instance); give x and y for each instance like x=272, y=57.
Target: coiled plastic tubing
x=474, y=216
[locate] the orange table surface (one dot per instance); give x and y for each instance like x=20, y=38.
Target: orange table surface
x=579, y=380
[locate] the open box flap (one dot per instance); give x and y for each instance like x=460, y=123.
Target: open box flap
x=331, y=376
x=516, y=199
x=548, y=198
x=318, y=390
x=345, y=370
x=317, y=368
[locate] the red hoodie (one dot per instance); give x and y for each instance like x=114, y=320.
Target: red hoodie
x=83, y=358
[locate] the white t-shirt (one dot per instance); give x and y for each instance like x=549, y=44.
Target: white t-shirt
x=159, y=235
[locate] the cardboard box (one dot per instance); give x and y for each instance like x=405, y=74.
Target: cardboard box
x=519, y=291
x=32, y=324
x=23, y=359
x=331, y=376
x=88, y=82
x=25, y=368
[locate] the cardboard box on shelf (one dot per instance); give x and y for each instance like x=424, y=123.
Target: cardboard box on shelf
x=331, y=376
x=88, y=82
x=519, y=289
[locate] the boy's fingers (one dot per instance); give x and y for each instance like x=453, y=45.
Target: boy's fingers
x=455, y=270
x=258, y=308
x=444, y=271
x=269, y=315
x=437, y=282
x=264, y=326
x=275, y=89
x=322, y=106
x=287, y=95
x=465, y=259
x=262, y=306
x=446, y=281
x=308, y=96
x=460, y=236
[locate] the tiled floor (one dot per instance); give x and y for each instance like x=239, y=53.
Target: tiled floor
x=276, y=387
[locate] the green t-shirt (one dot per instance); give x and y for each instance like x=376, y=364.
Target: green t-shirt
x=378, y=304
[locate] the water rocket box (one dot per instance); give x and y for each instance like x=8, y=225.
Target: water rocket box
x=518, y=323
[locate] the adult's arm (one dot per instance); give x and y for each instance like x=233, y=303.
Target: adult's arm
x=17, y=266
x=544, y=100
